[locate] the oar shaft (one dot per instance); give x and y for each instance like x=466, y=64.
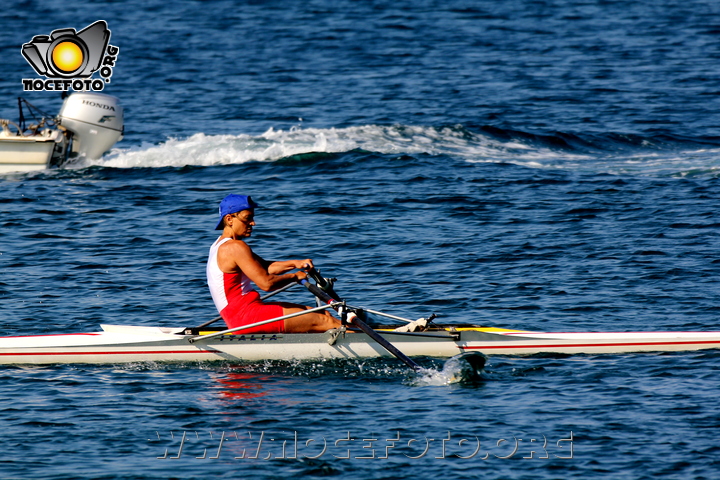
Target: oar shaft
x=387, y=315
x=384, y=343
x=209, y=322
x=275, y=292
x=364, y=327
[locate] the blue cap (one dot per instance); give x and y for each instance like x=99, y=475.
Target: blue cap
x=233, y=204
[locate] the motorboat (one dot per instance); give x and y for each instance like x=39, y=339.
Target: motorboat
x=86, y=127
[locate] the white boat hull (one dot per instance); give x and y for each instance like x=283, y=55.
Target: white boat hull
x=126, y=344
x=526, y=343
x=26, y=153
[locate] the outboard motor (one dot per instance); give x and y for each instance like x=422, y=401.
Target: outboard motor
x=95, y=121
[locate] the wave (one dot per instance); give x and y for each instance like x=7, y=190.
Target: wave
x=606, y=153
x=206, y=150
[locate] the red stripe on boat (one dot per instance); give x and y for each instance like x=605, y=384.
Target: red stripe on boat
x=144, y=352
x=581, y=345
x=52, y=335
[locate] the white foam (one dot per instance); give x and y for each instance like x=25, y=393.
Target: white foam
x=455, y=370
x=206, y=150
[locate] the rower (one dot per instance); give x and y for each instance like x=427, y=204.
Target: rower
x=232, y=266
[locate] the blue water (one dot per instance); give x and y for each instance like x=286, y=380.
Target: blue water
x=540, y=165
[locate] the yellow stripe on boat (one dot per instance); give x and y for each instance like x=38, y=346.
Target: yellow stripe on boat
x=490, y=330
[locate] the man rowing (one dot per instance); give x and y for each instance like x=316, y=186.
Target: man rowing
x=232, y=265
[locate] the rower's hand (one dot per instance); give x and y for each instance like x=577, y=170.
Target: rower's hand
x=304, y=265
x=300, y=276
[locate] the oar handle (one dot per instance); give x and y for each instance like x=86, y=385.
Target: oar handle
x=322, y=295
x=315, y=275
x=322, y=282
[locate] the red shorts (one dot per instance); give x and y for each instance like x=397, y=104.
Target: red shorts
x=252, y=310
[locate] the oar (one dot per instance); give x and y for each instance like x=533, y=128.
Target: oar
x=322, y=295
x=322, y=282
x=476, y=361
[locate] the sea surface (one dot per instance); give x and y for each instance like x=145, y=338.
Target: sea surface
x=543, y=165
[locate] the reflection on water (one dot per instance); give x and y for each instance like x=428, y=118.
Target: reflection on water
x=242, y=385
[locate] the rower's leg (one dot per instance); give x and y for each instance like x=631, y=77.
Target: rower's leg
x=313, y=322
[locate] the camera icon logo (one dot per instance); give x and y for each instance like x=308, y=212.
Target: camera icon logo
x=66, y=53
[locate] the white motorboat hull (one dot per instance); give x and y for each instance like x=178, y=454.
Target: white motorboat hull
x=127, y=344
x=26, y=153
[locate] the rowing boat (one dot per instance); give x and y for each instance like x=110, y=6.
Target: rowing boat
x=117, y=344
x=355, y=339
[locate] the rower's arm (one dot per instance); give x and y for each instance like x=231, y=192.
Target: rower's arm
x=265, y=263
x=284, y=266
x=237, y=256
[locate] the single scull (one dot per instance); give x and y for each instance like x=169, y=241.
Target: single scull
x=128, y=344
x=125, y=344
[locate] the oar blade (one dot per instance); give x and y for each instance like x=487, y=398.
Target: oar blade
x=471, y=365
x=465, y=368
x=475, y=360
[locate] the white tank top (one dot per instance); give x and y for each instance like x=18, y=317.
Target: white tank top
x=224, y=286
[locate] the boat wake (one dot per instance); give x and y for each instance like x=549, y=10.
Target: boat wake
x=273, y=145
x=608, y=153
